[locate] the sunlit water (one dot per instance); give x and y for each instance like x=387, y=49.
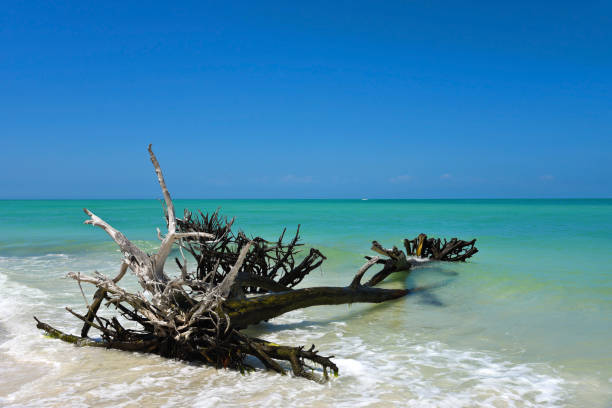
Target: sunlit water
x=526, y=323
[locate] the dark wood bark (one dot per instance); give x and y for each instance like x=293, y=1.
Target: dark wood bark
x=245, y=312
x=93, y=310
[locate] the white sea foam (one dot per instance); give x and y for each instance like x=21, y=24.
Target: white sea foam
x=419, y=375
x=376, y=368
x=435, y=377
x=418, y=259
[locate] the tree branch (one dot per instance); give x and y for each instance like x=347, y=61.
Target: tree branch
x=246, y=312
x=162, y=184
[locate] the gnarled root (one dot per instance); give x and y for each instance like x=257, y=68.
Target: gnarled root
x=268, y=352
x=231, y=355
x=455, y=250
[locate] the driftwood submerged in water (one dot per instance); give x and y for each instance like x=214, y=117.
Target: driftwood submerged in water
x=238, y=282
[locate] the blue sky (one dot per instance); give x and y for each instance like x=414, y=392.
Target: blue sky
x=406, y=99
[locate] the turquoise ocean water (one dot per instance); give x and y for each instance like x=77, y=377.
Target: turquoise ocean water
x=526, y=322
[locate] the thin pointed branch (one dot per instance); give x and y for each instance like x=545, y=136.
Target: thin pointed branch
x=228, y=283
x=167, y=198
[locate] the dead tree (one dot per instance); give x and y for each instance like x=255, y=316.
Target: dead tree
x=238, y=282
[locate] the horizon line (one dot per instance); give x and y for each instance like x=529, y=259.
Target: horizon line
x=312, y=199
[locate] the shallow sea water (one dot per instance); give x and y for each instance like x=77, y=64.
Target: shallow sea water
x=526, y=323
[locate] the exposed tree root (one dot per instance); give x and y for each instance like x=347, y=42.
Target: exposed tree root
x=237, y=282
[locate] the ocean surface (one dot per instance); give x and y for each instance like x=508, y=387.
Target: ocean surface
x=527, y=322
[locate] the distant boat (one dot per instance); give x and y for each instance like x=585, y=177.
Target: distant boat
x=364, y=199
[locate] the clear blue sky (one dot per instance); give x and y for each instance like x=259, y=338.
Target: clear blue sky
x=406, y=99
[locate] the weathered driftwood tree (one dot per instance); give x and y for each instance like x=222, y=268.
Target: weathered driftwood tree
x=238, y=282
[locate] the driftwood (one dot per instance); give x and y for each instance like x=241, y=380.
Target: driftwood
x=238, y=282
